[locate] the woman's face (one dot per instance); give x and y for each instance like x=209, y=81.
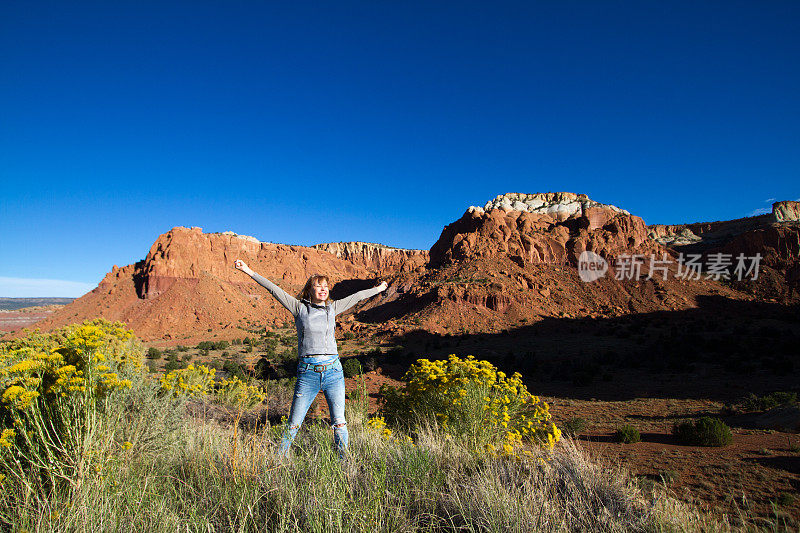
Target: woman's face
x=319, y=292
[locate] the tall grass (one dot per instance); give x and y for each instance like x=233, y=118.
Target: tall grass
x=184, y=474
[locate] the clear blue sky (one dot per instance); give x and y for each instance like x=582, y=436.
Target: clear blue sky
x=376, y=121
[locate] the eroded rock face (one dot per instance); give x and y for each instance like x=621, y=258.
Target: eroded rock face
x=786, y=211
x=715, y=233
x=541, y=228
x=775, y=236
x=559, y=205
x=376, y=257
x=708, y=232
x=778, y=245
x=188, y=253
x=187, y=285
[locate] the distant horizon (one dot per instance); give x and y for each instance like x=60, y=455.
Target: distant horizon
x=376, y=122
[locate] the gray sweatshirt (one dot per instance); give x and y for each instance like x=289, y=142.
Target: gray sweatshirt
x=315, y=323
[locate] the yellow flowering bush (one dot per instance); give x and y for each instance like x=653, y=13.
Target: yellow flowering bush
x=472, y=400
x=378, y=424
x=52, y=387
x=199, y=381
x=190, y=381
x=238, y=394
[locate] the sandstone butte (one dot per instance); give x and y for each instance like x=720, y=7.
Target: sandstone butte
x=512, y=261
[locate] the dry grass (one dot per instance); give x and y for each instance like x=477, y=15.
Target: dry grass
x=206, y=473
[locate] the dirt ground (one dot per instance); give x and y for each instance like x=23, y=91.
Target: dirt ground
x=25, y=317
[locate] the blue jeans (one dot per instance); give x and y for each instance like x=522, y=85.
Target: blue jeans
x=309, y=383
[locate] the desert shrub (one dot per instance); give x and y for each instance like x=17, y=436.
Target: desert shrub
x=190, y=381
x=150, y=467
x=575, y=426
x=232, y=368
x=369, y=362
x=262, y=369
x=351, y=367
x=348, y=335
x=55, y=389
x=206, y=346
x=182, y=348
x=237, y=394
x=288, y=340
x=153, y=353
x=627, y=434
x=269, y=347
x=706, y=431
x=471, y=400
x=174, y=365
x=764, y=403
x=198, y=381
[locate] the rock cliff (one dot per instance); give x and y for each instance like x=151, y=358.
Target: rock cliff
x=377, y=258
x=187, y=286
x=188, y=253
x=711, y=233
x=542, y=228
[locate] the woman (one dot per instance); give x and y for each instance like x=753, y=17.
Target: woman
x=319, y=367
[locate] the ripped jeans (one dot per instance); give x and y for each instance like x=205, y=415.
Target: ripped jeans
x=309, y=383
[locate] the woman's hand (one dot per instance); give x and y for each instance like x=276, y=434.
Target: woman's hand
x=241, y=265
x=383, y=286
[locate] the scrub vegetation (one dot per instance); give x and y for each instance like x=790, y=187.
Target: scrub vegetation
x=91, y=441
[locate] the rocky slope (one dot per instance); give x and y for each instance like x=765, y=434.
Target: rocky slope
x=513, y=262
x=774, y=236
x=552, y=228
x=376, y=258
x=711, y=233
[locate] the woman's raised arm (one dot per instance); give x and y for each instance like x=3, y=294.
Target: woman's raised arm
x=340, y=306
x=287, y=300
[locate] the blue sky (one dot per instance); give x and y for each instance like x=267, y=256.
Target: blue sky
x=305, y=122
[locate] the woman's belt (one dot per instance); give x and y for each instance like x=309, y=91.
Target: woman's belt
x=318, y=368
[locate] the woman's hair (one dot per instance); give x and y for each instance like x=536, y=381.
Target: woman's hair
x=306, y=292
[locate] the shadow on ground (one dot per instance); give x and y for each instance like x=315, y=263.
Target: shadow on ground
x=722, y=350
